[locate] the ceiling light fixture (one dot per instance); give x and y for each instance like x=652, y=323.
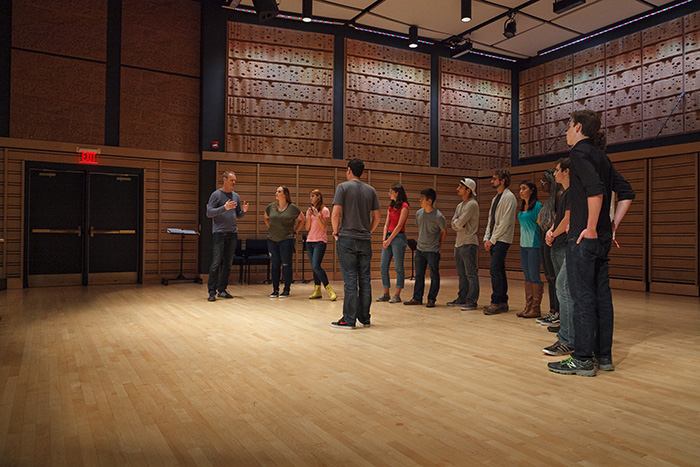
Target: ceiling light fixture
x=413, y=37
x=510, y=28
x=466, y=11
x=307, y=11
x=462, y=48
x=562, y=6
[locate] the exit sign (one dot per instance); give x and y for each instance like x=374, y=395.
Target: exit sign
x=88, y=156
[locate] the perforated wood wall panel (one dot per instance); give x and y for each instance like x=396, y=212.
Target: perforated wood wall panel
x=475, y=115
x=280, y=92
x=387, y=104
x=633, y=83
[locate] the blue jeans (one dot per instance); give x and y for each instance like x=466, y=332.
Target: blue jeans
x=530, y=260
x=430, y=259
x=223, y=250
x=315, y=251
x=587, y=268
x=281, y=255
x=499, y=280
x=354, y=258
x=465, y=260
x=566, y=305
x=397, y=249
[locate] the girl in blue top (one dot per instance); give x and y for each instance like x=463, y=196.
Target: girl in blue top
x=530, y=249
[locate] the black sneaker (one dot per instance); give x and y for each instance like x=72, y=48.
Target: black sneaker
x=342, y=324
x=553, y=328
x=365, y=324
x=383, y=298
x=284, y=294
x=225, y=294
x=212, y=297
x=469, y=307
x=274, y=294
x=572, y=366
x=551, y=318
x=456, y=302
x=604, y=363
x=558, y=348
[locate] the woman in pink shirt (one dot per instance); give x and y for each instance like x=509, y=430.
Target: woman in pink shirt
x=317, y=217
x=394, y=244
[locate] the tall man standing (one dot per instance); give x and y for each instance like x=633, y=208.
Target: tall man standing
x=358, y=204
x=465, y=222
x=592, y=181
x=224, y=208
x=497, y=239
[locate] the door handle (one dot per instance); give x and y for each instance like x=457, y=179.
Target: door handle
x=58, y=231
x=94, y=231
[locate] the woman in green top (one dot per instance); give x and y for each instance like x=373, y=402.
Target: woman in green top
x=283, y=219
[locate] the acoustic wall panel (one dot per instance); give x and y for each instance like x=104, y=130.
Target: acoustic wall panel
x=387, y=104
x=634, y=83
x=280, y=92
x=475, y=108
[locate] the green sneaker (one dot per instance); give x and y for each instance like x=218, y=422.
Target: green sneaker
x=572, y=366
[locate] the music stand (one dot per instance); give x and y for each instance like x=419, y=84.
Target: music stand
x=181, y=276
x=412, y=244
x=303, y=254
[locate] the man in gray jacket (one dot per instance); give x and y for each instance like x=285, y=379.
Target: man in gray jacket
x=497, y=239
x=465, y=223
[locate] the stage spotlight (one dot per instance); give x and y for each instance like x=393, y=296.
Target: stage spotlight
x=307, y=10
x=462, y=48
x=413, y=37
x=510, y=28
x=466, y=10
x=266, y=9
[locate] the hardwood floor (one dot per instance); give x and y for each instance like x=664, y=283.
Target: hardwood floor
x=153, y=375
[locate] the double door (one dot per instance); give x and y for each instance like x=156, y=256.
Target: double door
x=83, y=225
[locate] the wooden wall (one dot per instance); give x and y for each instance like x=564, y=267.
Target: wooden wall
x=170, y=200
x=387, y=99
x=475, y=115
x=257, y=183
x=633, y=82
x=280, y=92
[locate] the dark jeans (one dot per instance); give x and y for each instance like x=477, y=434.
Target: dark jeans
x=465, y=260
x=566, y=306
x=589, y=279
x=430, y=259
x=530, y=262
x=315, y=251
x=549, y=273
x=223, y=250
x=354, y=258
x=499, y=281
x=281, y=255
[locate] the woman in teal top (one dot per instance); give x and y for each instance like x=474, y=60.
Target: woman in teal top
x=283, y=219
x=530, y=249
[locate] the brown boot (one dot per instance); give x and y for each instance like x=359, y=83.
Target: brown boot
x=528, y=299
x=537, y=290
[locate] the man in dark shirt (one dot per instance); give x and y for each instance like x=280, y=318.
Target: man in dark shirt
x=224, y=208
x=593, y=179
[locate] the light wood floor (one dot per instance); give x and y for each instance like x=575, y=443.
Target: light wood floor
x=155, y=375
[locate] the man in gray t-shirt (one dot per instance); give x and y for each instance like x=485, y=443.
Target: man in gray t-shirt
x=358, y=204
x=432, y=231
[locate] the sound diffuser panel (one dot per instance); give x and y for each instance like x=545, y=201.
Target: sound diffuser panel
x=280, y=92
x=387, y=104
x=475, y=108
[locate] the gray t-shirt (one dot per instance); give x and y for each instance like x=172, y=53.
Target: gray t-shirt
x=221, y=219
x=358, y=200
x=430, y=227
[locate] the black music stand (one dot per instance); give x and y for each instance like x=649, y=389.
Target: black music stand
x=412, y=244
x=303, y=254
x=181, y=277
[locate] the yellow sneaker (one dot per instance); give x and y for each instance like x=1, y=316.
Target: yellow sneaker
x=331, y=293
x=317, y=292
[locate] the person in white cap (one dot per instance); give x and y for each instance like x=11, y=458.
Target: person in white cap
x=465, y=223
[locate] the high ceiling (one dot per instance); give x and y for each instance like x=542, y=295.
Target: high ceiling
x=538, y=27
